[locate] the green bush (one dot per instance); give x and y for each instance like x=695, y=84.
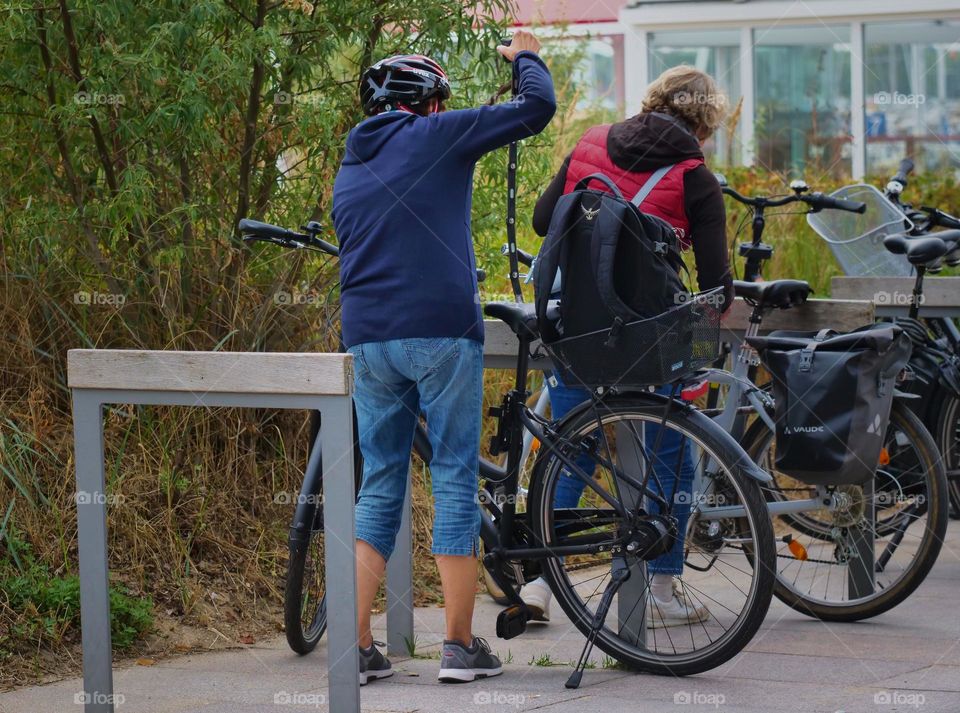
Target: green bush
x=46, y=606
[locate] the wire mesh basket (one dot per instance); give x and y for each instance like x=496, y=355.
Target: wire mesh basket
x=856, y=239
x=648, y=352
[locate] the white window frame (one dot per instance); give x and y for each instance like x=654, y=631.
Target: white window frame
x=638, y=22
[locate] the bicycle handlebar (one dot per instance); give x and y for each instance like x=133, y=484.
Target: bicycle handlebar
x=939, y=218
x=905, y=169
x=816, y=201
x=265, y=232
x=255, y=230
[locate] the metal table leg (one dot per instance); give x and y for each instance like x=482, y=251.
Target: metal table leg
x=92, y=547
x=632, y=596
x=336, y=437
x=400, y=585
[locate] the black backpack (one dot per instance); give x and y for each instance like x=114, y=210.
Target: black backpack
x=617, y=264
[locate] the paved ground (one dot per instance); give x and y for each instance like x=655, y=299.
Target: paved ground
x=905, y=660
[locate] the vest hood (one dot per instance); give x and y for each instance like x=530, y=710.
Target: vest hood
x=646, y=141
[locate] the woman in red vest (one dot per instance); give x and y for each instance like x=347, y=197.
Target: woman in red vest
x=681, y=110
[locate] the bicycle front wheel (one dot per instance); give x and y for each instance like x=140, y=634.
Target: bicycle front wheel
x=726, y=562
x=305, y=596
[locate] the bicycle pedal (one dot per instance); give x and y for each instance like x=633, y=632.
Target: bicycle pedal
x=512, y=622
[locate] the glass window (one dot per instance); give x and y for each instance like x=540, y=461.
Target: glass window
x=912, y=83
x=802, y=105
x=594, y=74
x=715, y=52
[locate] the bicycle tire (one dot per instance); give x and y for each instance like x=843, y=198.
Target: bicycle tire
x=302, y=638
x=721, y=447
x=947, y=430
x=902, y=418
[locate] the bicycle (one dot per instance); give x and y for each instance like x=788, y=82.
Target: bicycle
x=936, y=358
x=305, y=616
x=609, y=536
x=832, y=528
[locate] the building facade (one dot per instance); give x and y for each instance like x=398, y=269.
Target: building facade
x=846, y=86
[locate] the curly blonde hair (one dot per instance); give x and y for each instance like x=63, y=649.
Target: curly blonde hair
x=688, y=94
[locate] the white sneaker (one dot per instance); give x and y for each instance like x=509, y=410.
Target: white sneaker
x=676, y=612
x=537, y=596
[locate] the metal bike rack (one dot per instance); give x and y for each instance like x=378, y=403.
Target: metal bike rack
x=891, y=295
x=323, y=382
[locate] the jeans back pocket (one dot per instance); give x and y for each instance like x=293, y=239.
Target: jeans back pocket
x=431, y=353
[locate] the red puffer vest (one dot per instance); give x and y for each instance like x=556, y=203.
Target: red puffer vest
x=665, y=200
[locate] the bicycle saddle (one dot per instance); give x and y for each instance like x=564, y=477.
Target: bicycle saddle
x=779, y=294
x=921, y=251
x=897, y=243
x=521, y=317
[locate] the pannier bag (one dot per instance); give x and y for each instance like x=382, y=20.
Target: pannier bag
x=833, y=394
x=624, y=317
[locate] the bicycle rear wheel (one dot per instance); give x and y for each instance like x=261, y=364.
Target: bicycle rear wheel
x=728, y=562
x=948, y=440
x=818, y=569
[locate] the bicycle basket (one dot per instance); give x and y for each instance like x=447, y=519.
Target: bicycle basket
x=856, y=239
x=648, y=352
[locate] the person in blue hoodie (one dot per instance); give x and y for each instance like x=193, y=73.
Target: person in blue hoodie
x=411, y=317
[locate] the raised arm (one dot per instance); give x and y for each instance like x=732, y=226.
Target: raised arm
x=486, y=128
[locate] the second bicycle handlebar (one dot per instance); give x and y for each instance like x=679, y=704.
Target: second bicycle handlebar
x=816, y=201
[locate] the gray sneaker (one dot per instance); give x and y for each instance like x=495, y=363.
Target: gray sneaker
x=459, y=663
x=373, y=664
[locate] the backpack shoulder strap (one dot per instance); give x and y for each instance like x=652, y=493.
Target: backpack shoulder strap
x=548, y=259
x=603, y=248
x=650, y=184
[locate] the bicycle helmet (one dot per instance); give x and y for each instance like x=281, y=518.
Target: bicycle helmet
x=402, y=80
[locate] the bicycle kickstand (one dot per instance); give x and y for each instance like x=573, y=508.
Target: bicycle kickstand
x=620, y=574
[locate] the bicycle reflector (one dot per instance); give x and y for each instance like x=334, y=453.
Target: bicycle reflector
x=884, y=457
x=797, y=550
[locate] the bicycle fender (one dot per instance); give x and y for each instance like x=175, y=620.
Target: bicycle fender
x=742, y=460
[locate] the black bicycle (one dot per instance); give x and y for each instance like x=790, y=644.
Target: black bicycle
x=936, y=360
x=593, y=555
x=858, y=244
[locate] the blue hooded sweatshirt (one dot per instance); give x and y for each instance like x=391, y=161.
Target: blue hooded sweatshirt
x=401, y=210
